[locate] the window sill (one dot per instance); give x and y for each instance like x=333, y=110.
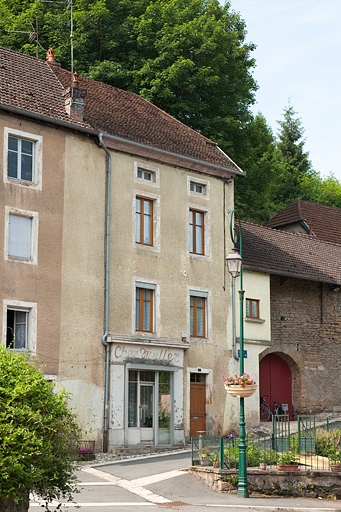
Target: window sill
x=255, y=320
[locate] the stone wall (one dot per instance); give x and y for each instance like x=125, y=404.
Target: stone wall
x=305, y=484
x=306, y=332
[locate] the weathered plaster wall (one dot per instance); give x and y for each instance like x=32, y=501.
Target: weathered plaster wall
x=81, y=367
x=37, y=283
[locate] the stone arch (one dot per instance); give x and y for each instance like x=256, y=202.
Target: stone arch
x=279, y=379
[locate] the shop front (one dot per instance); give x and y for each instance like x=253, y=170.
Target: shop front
x=147, y=395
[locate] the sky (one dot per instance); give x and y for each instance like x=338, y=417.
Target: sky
x=298, y=61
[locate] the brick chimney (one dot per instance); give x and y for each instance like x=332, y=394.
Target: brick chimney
x=74, y=99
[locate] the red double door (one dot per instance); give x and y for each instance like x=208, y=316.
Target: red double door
x=275, y=381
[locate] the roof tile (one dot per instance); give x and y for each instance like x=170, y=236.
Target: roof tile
x=322, y=220
x=288, y=254
x=35, y=86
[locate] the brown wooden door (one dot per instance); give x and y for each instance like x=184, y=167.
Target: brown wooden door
x=197, y=404
x=275, y=381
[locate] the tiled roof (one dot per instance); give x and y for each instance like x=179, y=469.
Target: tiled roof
x=37, y=87
x=278, y=252
x=324, y=221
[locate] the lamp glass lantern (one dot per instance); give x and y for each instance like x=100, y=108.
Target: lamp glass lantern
x=234, y=263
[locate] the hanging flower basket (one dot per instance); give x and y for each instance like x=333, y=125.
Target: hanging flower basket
x=240, y=386
x=240, y=392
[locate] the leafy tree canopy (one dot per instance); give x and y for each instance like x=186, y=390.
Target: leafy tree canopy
x=39, y=433
x=189, y=57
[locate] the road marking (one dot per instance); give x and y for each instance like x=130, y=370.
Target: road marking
x=150, y=496
x=274, y=508
x=152, y=479
x=97, y=505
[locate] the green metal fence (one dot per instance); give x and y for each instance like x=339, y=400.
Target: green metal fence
x=314, y=447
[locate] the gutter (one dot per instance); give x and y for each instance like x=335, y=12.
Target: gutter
x=293, y=276
x=106, y=300
x=175, y=155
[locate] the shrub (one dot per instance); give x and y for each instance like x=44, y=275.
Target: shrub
x=39, y=433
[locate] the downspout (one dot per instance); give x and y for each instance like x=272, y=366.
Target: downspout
x=106, y=300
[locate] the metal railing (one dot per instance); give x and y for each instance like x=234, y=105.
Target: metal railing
x=314, y=447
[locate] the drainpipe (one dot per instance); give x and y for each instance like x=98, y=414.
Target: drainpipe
x=106, y=300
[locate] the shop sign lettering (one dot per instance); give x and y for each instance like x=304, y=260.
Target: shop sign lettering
x=123, y=352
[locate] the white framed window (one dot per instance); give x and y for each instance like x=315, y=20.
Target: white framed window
x=146, y=221
x=146, y=174
x=19, y=330
x=197, y=187
x=198, y=314
x=146, y=307
x=21, y=235
x=22, y=158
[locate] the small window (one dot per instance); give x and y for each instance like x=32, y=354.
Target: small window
x=144, y=221
x=145, y=175
x=197, y=188
x=196, y=231
x=252, y=308
x=17, y=329
x=144, y=312
x=22, y=158
x=198, y=312
x=19, y=236
x=19, y=326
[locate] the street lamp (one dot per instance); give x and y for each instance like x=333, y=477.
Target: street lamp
x=235, y=267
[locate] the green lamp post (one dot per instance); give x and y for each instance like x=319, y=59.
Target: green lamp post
x=235, y=267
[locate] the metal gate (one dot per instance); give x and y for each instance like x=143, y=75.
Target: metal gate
x=306, y=434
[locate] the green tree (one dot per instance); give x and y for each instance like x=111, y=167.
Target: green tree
x=321, y=190
x=292, y=161
x=253, y=197
x=39, y=434
x=189, y=57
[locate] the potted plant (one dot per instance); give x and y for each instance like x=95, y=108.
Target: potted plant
x=240, y=385
x=204, y=456
x=215, y=459
x=334, y=462
x=288, y=461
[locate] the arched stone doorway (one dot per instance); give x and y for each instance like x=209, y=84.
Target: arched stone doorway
x=275, y=381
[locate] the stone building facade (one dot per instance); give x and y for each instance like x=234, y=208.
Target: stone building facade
x=116, y=275
x=300, y=366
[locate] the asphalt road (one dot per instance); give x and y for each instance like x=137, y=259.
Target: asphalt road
x=153, y=484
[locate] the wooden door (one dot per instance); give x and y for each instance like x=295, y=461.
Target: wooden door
x=275, y=381
x=197, y=404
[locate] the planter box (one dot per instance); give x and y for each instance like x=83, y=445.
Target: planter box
x=239, y=391
x=288, y=467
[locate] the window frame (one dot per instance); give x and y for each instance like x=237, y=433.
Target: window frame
x=31, y=324
x=192, y=226
x=147, y=168
x=33, y=259
x=193, y=314
x=142, y=216
x=249, y=308
x=36, y=140
x=140, y=307
x=204, y=184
